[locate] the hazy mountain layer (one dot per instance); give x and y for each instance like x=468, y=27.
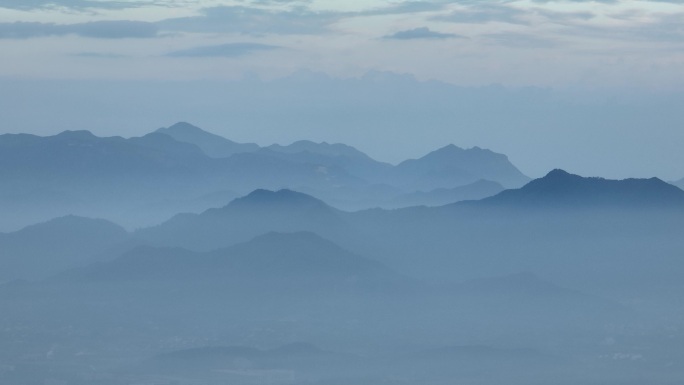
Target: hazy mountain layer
x=559, y=188
x=213, y=145
x=280, y=287
x=199, y=316
x=453, y=166
x=442, y=196
x=171, y=169
x=259, y=212
x=45, y=249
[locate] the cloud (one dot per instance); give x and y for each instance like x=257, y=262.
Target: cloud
x=302, y=20
x=634, y=27
x=586, y=1
x=561, y=17
x=253, y=21
x=223, y=50
x=521, y=40
x=421, y=33
x=98, y=55
x=99, y=30
x=403, y=8
x=480, y=13
x=75, y=4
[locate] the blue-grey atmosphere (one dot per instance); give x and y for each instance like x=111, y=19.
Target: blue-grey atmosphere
x=313, y=192
x=594, y=87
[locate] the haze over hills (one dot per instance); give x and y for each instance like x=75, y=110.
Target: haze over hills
x=452, y=166
x=335, y=155
x=527, y=293
x=170, y=170
x=679, y=183
x=213, y=145
x=458, y=234
x=259, y=212
x=562, y=189
x=262, y=251
x=279, y=288
x=44, y=249
x=442, y=196
x=290, y=259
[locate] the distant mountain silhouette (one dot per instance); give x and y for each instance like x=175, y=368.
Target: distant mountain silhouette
x=323, y=148
x=480, y=353
x=525, y=283
x=442, y=196
x=300, y=349
x=562, y=189
x=47, y=248
x=289, y=259
x=74, y=155
x=452, y=166
x=335, y=155
x=282, y=361
x=244, y=218
x=679, y=183
x=526, y=298
x=281, y=199
x=164, y=172
x=213, y=145
x=117, y=178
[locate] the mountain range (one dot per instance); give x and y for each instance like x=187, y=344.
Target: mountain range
x=560, y=188
x=461, y=282
x=257, y=213
x=289, y=259
x=445, y=235
x=44, y=249
x=171, y=169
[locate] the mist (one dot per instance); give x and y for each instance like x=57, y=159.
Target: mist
x=183, y=257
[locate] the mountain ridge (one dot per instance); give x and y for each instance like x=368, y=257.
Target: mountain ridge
x=212, y=145
x=244, y=218
x=457, y=166
x=272, y=257
x=562, y=189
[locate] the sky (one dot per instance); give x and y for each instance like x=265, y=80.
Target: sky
x=594, y=59
x=467, y=42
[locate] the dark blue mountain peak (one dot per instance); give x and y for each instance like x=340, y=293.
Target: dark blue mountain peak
x=452, y=152
x=280, y=197
x=213, y=145
x=449, y=148
x=561, y=188
x=184, y=126
x=79, y=135
x=559, y=176
x=73, y=223
x=558, y=173
x=76, y=134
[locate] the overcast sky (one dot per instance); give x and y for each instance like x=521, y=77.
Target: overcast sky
x=468, y=42
x=594, y=50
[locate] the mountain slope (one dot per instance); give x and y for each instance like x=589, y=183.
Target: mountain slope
x=524, y=298
x=561, y=189
x=452, y=166
x=213, y=145
x=259, y=212
x=47, y=248
x=335, y=155
x=679, y=183
x=442, y=196
x=75, y=155
x=285, y=259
